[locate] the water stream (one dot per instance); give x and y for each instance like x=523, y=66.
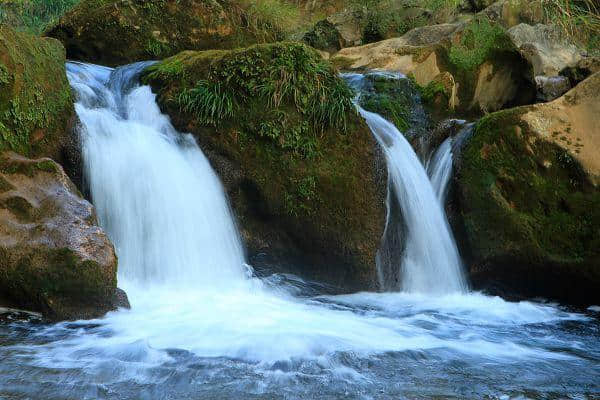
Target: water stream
x=202, y=325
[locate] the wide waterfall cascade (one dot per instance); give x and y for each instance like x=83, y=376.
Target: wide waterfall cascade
x=151, y=186
x=202, y=326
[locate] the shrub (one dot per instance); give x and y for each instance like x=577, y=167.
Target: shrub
x=33, y=15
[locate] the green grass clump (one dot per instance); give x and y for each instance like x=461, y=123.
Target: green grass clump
x=282, y=75
x=578, y=19
x=480, y=40
x=33, y=15
x=271, y=20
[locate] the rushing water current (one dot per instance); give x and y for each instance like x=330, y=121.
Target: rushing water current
x=203, y=325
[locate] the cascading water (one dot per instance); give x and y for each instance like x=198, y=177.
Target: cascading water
x=439, y=169
x=152, y=187
x=430, y=262
x=202, y=326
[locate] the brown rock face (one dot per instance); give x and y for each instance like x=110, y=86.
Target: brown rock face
x=53, y=256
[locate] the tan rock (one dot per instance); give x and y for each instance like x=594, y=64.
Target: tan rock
x=54, y=258
x=573, y=123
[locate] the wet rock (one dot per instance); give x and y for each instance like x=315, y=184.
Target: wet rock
x=580, y=71
x=551, y=87
x=54, y=258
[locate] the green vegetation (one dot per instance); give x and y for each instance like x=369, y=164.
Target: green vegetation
x=390, y=98
x=282, y=75
x=33, y=15
x=526, y=197
x=480, y=41
x=271, y=20
x=578, y=19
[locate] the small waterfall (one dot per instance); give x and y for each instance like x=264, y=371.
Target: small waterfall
x=430, y=262
x=439, y=169
x=155, y=192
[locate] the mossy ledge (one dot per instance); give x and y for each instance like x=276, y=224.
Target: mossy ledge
x=302, y=170
x=530, y=215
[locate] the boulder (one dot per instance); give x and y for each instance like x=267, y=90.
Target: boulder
x=116, y=32
x=54, y=258
x=303, y=173
x=36, y=108
x=545, y=48
x=475, y=62
x=529, y=199
x=509, y=13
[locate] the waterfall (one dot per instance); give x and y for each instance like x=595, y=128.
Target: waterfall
x=439, y=169
x=430, y=262
x=154, y=190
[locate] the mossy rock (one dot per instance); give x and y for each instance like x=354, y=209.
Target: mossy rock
x=36, y=108
x=116, y=32
x=53, y=256
x=398, y=99
x=302, y=170
x=530, y=213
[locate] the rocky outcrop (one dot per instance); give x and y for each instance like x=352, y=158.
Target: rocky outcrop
x=545, y=48
x=529, y=198
x=475, y=63
x=117, y=32
x=301, y=169
x=53, y=256
x=36, y=108
x=509, y=13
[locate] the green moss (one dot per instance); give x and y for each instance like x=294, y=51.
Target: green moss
x=430, y=92
x=63, y=282
x=481, y=40
x=526, y=197
x=276, y=81
x=115, y=32
x=35, y=103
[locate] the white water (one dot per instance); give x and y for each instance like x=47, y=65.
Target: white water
x=182, y=266
x=430, y=262
x=439, y=169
